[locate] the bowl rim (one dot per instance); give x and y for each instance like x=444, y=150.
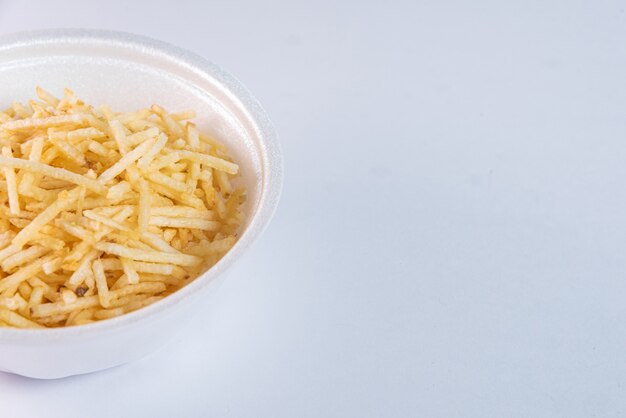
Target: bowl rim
x=271, y=171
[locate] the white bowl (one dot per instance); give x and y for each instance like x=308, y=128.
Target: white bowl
x=129, y=72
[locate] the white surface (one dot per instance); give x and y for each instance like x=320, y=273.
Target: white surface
x=458, y=252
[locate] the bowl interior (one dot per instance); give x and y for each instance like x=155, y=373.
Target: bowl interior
x=128, y=72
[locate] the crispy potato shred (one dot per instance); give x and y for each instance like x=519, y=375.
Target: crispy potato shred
x=103, y=213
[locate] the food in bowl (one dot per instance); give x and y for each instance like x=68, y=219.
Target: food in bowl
x=103, y=212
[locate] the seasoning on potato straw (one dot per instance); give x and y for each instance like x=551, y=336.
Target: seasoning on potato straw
x=102, y=213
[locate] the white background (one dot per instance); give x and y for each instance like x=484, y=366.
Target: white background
x=451, y=236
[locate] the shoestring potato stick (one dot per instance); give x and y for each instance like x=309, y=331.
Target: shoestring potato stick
x=104, y=212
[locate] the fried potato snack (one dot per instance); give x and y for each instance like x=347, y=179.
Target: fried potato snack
x=103, y=212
